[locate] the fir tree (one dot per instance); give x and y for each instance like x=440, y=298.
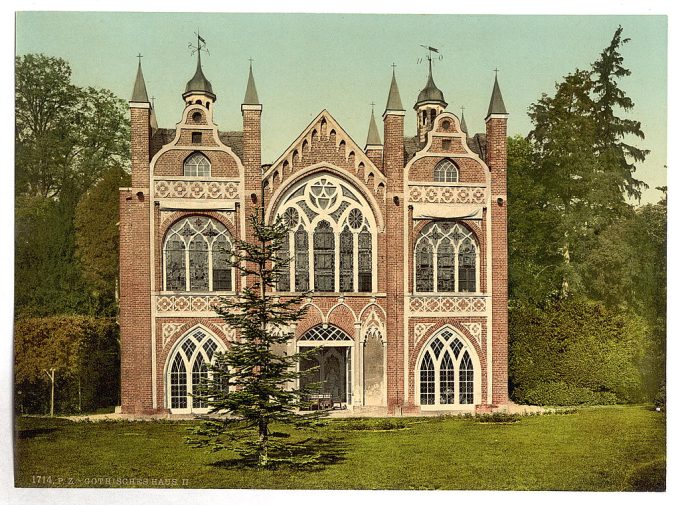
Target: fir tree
x=252, y=385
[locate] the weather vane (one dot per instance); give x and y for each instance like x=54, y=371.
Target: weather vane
x=200, y=44
x=429, y=56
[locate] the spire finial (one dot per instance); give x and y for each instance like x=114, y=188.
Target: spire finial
x=139, y=93
x=463, y=125
x=394, y=99
x=373, y=138
x=496, y=72
x=199, y=83
x=251, y=97
x=430, y=93
x=496, y=104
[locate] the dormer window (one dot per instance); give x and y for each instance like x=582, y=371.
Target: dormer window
x=197, y=165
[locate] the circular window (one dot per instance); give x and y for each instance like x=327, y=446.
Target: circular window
x=446, y=125
x=291, y=218
x=196, y=116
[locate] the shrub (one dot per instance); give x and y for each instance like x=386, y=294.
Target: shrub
x=579, y=343
x=561, y=393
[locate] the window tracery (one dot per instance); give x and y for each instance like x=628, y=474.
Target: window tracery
x=331, y=238
x=197, y=165
x=196, y=256
x=445, y=259
x=439, y=383
x=446, y=171
x=190, y=368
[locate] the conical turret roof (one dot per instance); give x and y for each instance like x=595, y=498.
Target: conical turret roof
x=394, y=99
x=463, y=125
x=139, y=93
x=199, y=83
x=430, y=93
x=251, y=91
x=373, y=138
x=496, y=105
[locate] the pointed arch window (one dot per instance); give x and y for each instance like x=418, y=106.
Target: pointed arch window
x=189, y=369
x=331, y=237
x=196, y=255
x=197, y=165
x=446, y=371
x=446, y=171
x=445, y=259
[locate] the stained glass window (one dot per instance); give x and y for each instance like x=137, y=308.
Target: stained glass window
x=424, y=268
x=283, y=283
x=446, y=171
x=466, y=266
x=301, y=260
x=196, y=256
x=197, y=165
x=324, y=257
x=346, y=261
x=331, y=236
x=439, y=382
x=444, y=249
x=365, y=261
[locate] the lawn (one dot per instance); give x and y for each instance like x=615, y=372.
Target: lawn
x=599, y=448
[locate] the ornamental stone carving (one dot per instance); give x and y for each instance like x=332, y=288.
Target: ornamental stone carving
x=419, y=330
x=447, y=194
x=475, y=330
x=461, y=304
x=186, y=303
x=169, y=329
x=196, y=189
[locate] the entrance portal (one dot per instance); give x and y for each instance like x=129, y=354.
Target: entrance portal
x=333, y=363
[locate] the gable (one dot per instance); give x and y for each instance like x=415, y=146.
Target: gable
x=324, y=141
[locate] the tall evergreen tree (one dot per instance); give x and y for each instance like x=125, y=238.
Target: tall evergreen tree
x=252, y=385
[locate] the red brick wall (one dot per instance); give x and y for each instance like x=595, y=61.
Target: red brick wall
x=135, y=301
x=496, y=137
x=141, y=134
x=393, y=163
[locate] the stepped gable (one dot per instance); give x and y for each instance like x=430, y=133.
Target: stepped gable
x=324, y=141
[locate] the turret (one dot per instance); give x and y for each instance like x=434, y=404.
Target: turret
x=140, y=130
x=430, y=103
x=374, y=146
x=497, y=160
x=251, y=110
x=199, y=90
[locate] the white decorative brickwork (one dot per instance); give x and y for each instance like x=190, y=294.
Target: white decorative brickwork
x=475, y=330
x=169, y=329
x=168, y=188
x=419, y=330
x=461, y=304
x=447, y=194
x=186, y=303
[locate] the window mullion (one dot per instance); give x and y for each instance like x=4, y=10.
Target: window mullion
x=355, y=261
x=187, y=267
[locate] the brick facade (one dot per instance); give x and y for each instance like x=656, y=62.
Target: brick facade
x=393, y=185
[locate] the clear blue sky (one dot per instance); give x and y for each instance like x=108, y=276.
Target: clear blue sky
x=304, y=63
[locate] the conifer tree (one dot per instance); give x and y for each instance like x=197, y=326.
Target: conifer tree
x=251, y=386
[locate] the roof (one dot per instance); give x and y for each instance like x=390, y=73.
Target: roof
x=251, y=97
x=496, y=105
x=373, y=138
x=199, y=83
x=163, y=136
x=139, y=91
x=430, y=93
x=394, y=99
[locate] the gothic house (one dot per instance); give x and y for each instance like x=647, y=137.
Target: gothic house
x=401, y=244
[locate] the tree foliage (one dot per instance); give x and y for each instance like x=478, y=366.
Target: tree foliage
x=579, y=343
x=67, y=137
x=83, y=350
x=252, y=384
x=97, y=237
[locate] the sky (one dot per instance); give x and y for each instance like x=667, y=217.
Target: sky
x=304, y=63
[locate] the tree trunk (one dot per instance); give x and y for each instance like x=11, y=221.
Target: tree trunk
x=263, y=456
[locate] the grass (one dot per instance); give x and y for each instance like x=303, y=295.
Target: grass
x=600, y=448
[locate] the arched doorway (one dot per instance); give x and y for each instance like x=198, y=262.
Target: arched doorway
x=187, y=367
x=333, y=360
